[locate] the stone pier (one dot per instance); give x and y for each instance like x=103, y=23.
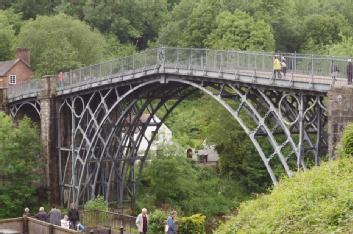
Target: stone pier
x=48, y=126
x=340, y=113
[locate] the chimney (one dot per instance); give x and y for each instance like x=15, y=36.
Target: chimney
x=24, y=54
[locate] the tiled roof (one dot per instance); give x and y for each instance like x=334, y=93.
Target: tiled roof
x=5, y=66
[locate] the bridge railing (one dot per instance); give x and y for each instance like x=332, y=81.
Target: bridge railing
x=308, y=68
x=139, y=61
x=318, y=69
x=25, y=89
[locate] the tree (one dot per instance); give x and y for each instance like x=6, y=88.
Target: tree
x=343, y=48
x=32, y=8
x=240, y=31
x=9, y=26
x=20, y=148
x=132, y=21
x=171, y=33
x=60, y=43
x=323, y=30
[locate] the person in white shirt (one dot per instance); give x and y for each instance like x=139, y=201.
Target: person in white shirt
x=65, y=222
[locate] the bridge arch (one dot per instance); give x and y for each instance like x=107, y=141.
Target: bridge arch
x=29, y=108
x=106, y=134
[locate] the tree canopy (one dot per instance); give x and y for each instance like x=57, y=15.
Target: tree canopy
x=60, y=43
x=20, y=165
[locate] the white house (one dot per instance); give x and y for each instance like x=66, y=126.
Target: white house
x=164, y=135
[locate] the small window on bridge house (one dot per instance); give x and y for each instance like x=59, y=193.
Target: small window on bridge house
x=12, y=79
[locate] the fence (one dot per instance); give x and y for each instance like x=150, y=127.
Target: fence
x=27, y=225
x=26, y=88
x=310, y=68
x=302, y=67
x=115, y=221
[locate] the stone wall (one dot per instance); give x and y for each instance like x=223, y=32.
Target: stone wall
x=340, y=113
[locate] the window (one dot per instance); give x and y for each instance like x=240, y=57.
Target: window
x=12, y=80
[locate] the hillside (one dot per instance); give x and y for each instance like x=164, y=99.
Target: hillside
x=319, y=200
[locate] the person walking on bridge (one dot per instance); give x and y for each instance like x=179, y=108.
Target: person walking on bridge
x=284, y=66
x=276, y=68
x=349, y=71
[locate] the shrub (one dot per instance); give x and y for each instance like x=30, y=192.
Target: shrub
x=95, y=204
x=93, y=218
x=195, y=224
x=157, y=221
x=315, y=201
x=347, y=140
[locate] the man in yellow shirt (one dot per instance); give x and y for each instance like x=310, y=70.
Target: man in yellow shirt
x=276, y=68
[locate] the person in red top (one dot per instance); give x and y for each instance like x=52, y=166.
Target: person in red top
x=142, y=221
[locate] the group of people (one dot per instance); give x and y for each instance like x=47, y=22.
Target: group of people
x=142, y=221
x=279, y=66
x=70, y=221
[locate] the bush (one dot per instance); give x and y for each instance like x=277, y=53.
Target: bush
x=315, y=201
x=157, y=222
x=195, y=224
x=347, y=140
x=95, y=204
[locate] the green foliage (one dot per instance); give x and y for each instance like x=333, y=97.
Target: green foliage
x=343, y=48
x=322, y=30
x=195, y=224
x=9, y=25
x=177, y=181
x=240, y=31
x=20, y=165
x=315, y=201
x=60, y=43
x=132, y=21
x=157, y=220
x=346, y=144
x=33, y=8
x=239, y=160
x=97, y=203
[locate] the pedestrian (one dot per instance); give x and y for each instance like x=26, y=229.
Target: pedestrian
x=65, y=222
x=142, y=221
x=42, y=215
x=74, y=216
x=284, y=66
x=80, y=227
x=349, y=71
x=334, y=71
x=170, y=227
x=276, y=68
x=55, y=216
x=26, y=212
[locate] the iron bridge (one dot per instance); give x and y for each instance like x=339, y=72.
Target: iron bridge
x=99, y=108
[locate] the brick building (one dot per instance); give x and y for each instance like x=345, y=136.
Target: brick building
x=16, y=71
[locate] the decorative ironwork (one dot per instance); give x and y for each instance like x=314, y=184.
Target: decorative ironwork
x=29, y=107
x=99, y=110
x=101, y=132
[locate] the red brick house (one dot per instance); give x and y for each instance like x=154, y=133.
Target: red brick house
x=16, y=71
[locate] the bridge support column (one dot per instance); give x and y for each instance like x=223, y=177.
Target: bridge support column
x=340, y=113
x=3, y=97
x=48, y=137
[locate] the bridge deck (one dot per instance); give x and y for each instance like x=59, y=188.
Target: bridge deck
x=304, y=72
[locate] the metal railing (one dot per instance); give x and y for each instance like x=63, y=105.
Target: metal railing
x=26, y=88
x=302, y=67
x=114, y=221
